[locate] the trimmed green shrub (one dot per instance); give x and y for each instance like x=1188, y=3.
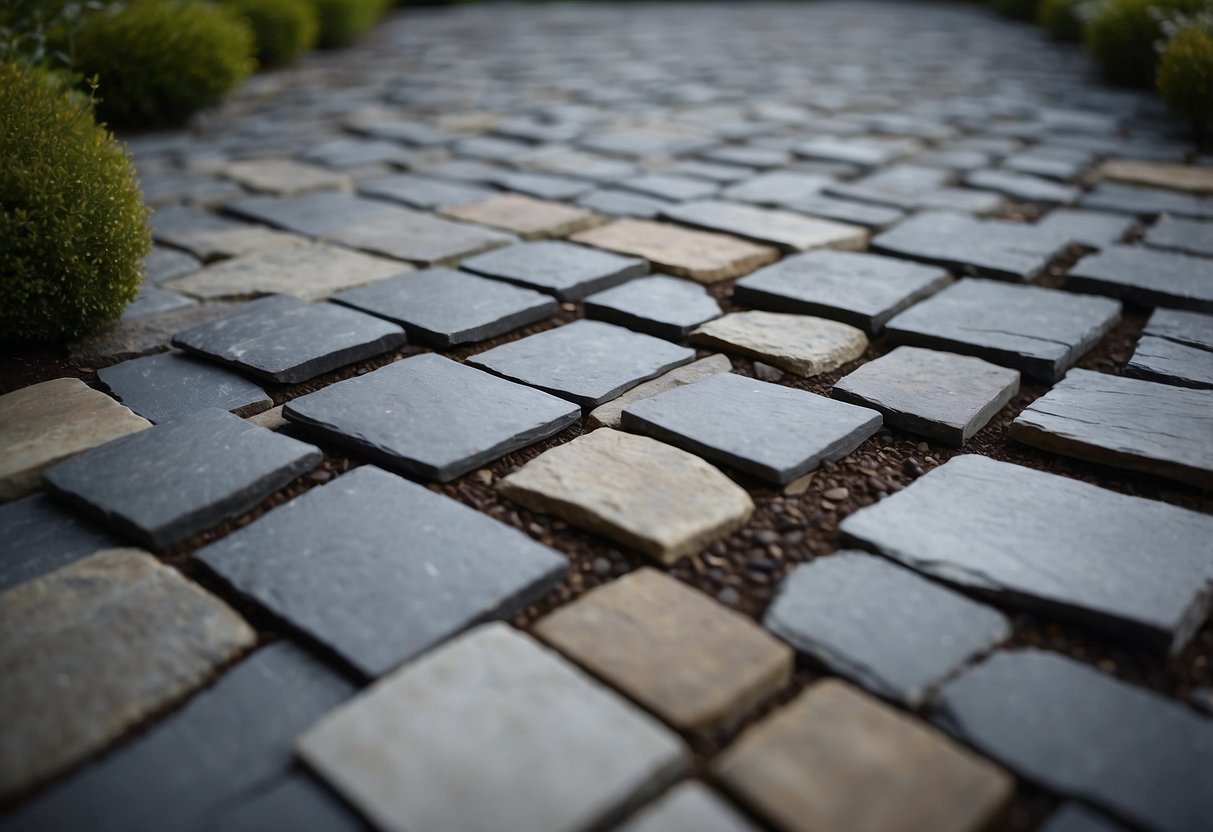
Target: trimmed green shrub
x=341, y=21
x=282, y=29
x=160, y=61
x=1063, y=19
x=73, y=227
x=1185, y=74
x=1016, y=9
x=1123, y=36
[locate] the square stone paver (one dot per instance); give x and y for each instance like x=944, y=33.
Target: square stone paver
x=1093, y=229
x=668, y=307
x=1190, y=328
x=776, y=188
x=1126, y=423
x=622, y=204
x=1040, y=332
x=165, y=484
x=544, y=185
x=317, y=214
x=692, y=661
x=167, y=385
x=800, y=344
x=642, y=142
x=46, y=422
x=379, y=569
x=483, y=705
x=608, y=415
x=91, y=649
x=525, y=216
x=430, y=416
x=446, y=307
x=699, y=255
x=792, y=232
x=587, y=362
x=284, y=177
x=1161, y=359
x=353, y=154
x=767, y=430
x=1035, y=540
x=939, y=395
x=802, y=769
x=423, y=191
x=420, y=238
x=688, y=807
x=40, y=535
x=295, y=800
x=880, y=625
x=1146, y=276
x=1187, y=236
x=670, y=187
x=286, y=340
x=864, y=290
x=637, y=491
x=568, y=271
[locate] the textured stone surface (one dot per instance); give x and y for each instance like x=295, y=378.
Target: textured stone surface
x=857, y=151
x=295, y=801
x=162, y=485
x=527, y=217
x=317, y=215
x=670, y=187
x=44, y=423
x=162, y=263
x=699, y=255
x=1190, y=328
x=880, y=625
x=124, y=340
x=608, y=415
x=483, y=705
x=803, y=770
x=379, y=569
x=789, y=231
x=844, y=210
x=430, y=416
x=544, y=185
x=1084, y=734
x=1187, y=236
x=169, y=385
x=1093, y=229
x=562, y=269
x=1023, y=187
x=1124, y=422
x=688, y=807
x=153, y=301
x=800, y=344
x=776, y=189
x=939, y=395
x=210, y=236
x=423, y=191
x=1190, y=178
x=1147, y=277
x=421, y=238
x=284, y=177
x=91, y=649
x=1074, y=817
x=1161, y=359
x=668, y=307
x=645, y=141
x=637, y=491
x=623, y=204
x=1121, y=564
x=1147, y=202
x=40, y=536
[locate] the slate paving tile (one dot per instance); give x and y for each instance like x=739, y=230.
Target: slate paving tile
x=1147, y=277
x=163, y=263
x=408, y=132
x=349, y=153
x=748, y=156
x=430, y=416
x=789, y=231
x=527, y=217
x=284, y=177
x=295, y=801
x=422, y=191
x=168, y=385
x=209, y=236
x=153, y=301
x=722, y=174
x=124, y=340
x=1093, y=229
x=1023, y=187
x=640, y=143
x=864, y=290
x=570, y=272
x=171, y=481
x=800, y=344
x=544, y=185
x=876, y=217
x=285, y=340
x=469, y=171
x=622, y=204
x=688, y=807
x=422, y=238
x=608, y=415
x=882, y=626
x=1126, y=423
x=954, y=200
x=316, y=215
x=484, y=705
x=489, y=148
x=1177, y=234
x=776, y=188
x=568, y=161
x=1160, y=359
x=668, y=307
x=939, y=395
x=380, y=569
x=1035, y=540
x=1040, y=332
x=446, y=308
x=40, y=536
x=1146, y=202
x=93, y=648
x=1191, y=328
x=905, y=775
x=1084, y=734
x=698, y=255
x=225, y=743
x=1034, y=163
x=670, y=187
x=769, y=431
x=1074, y=817
x=867, y=152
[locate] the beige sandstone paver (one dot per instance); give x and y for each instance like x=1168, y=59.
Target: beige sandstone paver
x=785, y=229
x=218, y=244
x=800, y=344
x=525, y=216
x=1190, y=178
x=699, y=255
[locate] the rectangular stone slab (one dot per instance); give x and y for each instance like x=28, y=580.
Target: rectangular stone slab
x=791, y=232
x=1120, y=564
x=1146, y=202
x=801, y=344
x=562, y=269
x=40, y=535
x=317, y=215
x=168, y=385
x=668, y=307
x=423, y=191
x=1161, y=359
x=430, y=416
x=527, y=217
x=1147, y=277
x=1190, y=328
x=1177, y=234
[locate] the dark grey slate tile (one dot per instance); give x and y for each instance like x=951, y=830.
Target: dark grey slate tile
x=1161, y=359
x=1074, y=817
x=722, y=174
x=568, y=271
x=1191, y=328
x=153, y=301
x=409, y=132
x=1023, y=187
x=169, y=385
x=40, y=535
x=668, y=307
x=1187, y=236
x=763, y=158
x=844, y=210
x=348, y=153
x=859, y=151
x=777, y=188
x=623, y=204
x=640, y=143
x=1147, y=277
x=1093, y=229
x=295, y=801
x=423, y=191
x=1146, y=202
x=314, y=214
x=164, y=263
x=670, y=186
x=544, y=185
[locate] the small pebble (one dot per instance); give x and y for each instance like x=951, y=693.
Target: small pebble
x=602, y=566
x=766, y=372
x=728, y=596
x=766, y=536
x=837, y=494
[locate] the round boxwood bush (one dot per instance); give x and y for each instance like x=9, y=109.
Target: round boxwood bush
x=160, y=61
x=1185, y=74
x=341, y=21
x=73, y=227
x=1063, y=19
x=1123, y=36
x=283, y=29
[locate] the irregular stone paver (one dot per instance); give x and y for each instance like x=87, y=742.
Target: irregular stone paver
x=1161, y=359
x=423, y=192
x=1147, y=277
x=568, y=161
x=284, y=177
x=800, y=344
x=92, y=648
x=484, y=704
x=162, y=485
x=1031, y=539
x=769, y=431
x=722, y=174
x=688, y=807
x=124, y=340
x=297, y=801
x=747, y=156
x=645, y=141
x=882, y=626
x=876, y=217
x=1084, y=734
x=1074, y=817
x=670, y=187
x=903, y=776
x=1146, y=202
x=668, y=307
x=153, y=301
x=317, y=215
x=163, y=263
x=1023, y=187
x=44, y=423
x=379, y=569
x=622, y=204
x=857, y=151
x=168, y=385
x=544, y=185
x=1040, y=332
x=1186, y=236
x=527, y=217
x=1124, y=422
x=699, y=255
x=489, y=148
x=1191, y=328
x=864, y=290
x=1093, y=229
x=777, y=188
x=40, y=536
x=608, y=415
x=587, y=362
x=642, y=493
x=1191, y=178
x=562, y=269
x=226, y=742
x=789, y=231
x=210, y=244
x=347, y=154
x=421, y=238
x=939, y=395
x=430, y=416
x=446, y=307
x=286, y=340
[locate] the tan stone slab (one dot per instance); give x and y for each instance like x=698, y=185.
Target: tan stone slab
x=271, y=419
x=93, y=648
x=285, y=177
x=526, y=216
x=210, y=245
x=1190, y=178
x=310, y=272
x=44, y=423
x=838, y=759
x=800, y=344
x=608, y=415
x=700, y=255
x=695, y=663
x=794, y=232
x=640, y=492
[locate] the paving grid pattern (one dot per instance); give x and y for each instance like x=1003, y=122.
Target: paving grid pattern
x=638, y=108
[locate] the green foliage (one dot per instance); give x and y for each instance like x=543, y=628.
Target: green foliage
x=1185, y=74
x=341, y=21
x=1124, y=36
x=1064, y=19
x=73, y=227
x=1015, y=9
x=160, y=61
x=283, y=29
